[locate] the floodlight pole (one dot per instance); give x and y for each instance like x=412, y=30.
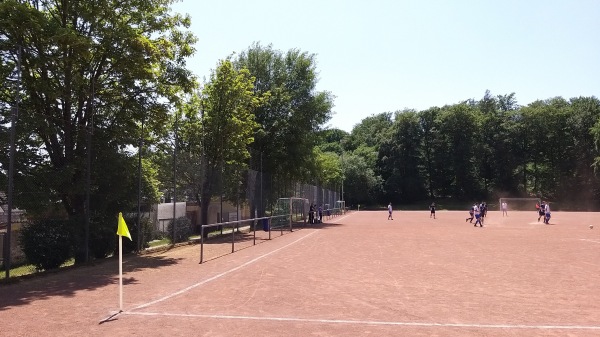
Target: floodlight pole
x=343, y=176
x=88, y=177
x=175, y=176
x=11, y=165
x=262, y=211
x=139, y=217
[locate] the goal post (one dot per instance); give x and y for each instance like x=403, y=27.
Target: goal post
x=290, y=210
x=340, y=206
x=519, y=204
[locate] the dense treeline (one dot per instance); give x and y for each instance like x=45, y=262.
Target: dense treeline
x=478, y=149
x=111, y=118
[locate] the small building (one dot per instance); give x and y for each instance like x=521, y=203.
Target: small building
x=191, y=210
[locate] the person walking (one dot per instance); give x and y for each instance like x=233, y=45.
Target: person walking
x=478, y=217
x=541, y=211
x=547, y=213
x=432, y=209
x=483, y=210
x=471, y=214
x=390, y=212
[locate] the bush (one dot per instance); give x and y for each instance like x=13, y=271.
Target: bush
x=103, y=236
x=131, y=245
x=47, y=244
x=183, y=230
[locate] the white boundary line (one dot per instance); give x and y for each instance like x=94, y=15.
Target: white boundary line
x=588, y=240
x=382, y=323
x=339, y=321
x=220, y=275
x=223, y=273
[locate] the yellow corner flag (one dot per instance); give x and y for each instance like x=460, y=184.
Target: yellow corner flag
x=122, y=229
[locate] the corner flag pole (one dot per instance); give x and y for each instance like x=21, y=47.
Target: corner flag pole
x=120, y=273
x=122, y=231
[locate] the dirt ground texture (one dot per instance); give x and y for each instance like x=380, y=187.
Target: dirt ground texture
x=355, y=275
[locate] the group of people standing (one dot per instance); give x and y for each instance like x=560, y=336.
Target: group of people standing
x=543, y=209
x=315, y=214
x=477, y=212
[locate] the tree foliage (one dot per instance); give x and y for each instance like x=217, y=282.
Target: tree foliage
x=492, y=147
x=89, y=69
x=47, y=244
x=476, y=150
x=400, y=161
x=293, y=113
x=227, y=129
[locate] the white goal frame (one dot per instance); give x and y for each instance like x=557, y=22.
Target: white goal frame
x=296, y=209
x=340, y=206
x=509, y=200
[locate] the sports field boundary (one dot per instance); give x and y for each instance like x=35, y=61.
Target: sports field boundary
x=384, y=323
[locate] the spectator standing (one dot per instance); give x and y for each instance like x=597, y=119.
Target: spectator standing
x=320, y=213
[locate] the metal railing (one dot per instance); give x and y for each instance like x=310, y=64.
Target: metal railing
x=234, y=225
x=286, y=224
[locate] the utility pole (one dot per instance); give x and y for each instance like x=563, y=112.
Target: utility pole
x=343, y=176
x=139, y=216
x=88, y=180
x=11, y=165
x=175, y=176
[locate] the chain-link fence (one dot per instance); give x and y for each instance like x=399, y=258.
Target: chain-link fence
x=257, y=196
x=228, y=194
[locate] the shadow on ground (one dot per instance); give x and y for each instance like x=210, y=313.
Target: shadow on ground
x=67, y=281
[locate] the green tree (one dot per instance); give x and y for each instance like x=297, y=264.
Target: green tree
x=90, y=65
x=372, y=131
x=565, y=151
x=228, y=128
x=495, y=151
x=431, y=148
x=400, y=160
x=535, y=163
x=584, y=118
x=328, y=167
x=459, y=130
x=330, y=140
x=361, y=184
x=293, y=113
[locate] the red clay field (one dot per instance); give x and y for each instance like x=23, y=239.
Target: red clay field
x=355, y=275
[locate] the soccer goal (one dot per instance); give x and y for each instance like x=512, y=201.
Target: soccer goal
x=519, y=204
x=340, y=207
x=290, y=210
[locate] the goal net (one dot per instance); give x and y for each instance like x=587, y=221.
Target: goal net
x=290, y=209
x=340, y=207
x=519, y=204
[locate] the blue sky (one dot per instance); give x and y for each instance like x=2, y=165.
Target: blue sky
x=383, y=55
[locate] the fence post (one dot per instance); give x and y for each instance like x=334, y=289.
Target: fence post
x=254, y=230
x=233, y=226
x=2, y=245
x=201, y=242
